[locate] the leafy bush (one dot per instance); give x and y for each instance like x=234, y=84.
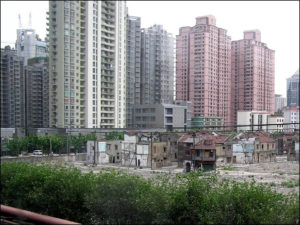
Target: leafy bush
x=229, y=168
x=113, y=197
x=46, y=189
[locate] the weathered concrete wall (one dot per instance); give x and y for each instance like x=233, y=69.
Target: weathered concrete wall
x=243, y=157
x=63, y=158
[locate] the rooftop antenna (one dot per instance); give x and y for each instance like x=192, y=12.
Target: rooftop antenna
x=20, y=24
x=29, y=20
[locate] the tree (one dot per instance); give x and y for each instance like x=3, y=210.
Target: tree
x=14, y=146
x=57, y=143
x=114, y=135
x=78, y=141
x=44, y=143
x=90, y=137
x=33, y=142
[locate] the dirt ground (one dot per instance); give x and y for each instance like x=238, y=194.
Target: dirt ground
x=282, y=175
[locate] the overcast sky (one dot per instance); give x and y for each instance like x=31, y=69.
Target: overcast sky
x=278, y=22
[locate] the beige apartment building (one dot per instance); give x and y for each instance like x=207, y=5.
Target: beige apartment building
x=87, y=68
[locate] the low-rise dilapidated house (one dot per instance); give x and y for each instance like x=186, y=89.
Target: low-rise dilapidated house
x=114, y=150
x=172, y=141
x=242, y=152
x=160, y=155
x=96, y=152
x=252, y=147
x=204, y=153
x=264, y=149
x=185, y=144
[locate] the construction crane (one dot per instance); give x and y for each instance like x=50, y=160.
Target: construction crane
x=20, y=24
x=29, y=23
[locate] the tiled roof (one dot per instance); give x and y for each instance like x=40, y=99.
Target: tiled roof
x=209, y=141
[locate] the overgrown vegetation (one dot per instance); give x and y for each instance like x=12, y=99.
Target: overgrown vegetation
x=114, y=135
x=229, y=168
x=114, y=197
x=32, y=142
x=290, y=184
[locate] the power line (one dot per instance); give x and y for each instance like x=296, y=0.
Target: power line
x=187, y=129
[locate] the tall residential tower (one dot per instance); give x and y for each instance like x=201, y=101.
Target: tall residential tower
x=12, y=89
x=203, y=54
x=87, y=45
x=253, y=73
x=157, y=66
x=133, y=63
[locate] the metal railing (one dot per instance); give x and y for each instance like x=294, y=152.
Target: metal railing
x=11, y=215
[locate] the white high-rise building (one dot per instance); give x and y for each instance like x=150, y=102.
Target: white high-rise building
x=87, y=45
x=280, y=103
x=29, y=45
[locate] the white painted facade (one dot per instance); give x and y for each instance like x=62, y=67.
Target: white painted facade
x=278, y=121
x=120, y=65
x=251, y=119
x=142, y=155
x=87, y=64
x=242, y=157
x=28, y=45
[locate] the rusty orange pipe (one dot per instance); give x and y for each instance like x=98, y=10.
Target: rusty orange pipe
x=33, y=216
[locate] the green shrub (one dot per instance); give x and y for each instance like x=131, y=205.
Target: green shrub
x=45, y=189
x=114, y=197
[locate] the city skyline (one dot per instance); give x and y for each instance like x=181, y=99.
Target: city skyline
x=266, y=20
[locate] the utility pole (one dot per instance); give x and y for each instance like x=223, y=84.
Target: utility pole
x=50, y=146
x=95, y=143
x=194, y=135
x=151, y=148
x=67, y=142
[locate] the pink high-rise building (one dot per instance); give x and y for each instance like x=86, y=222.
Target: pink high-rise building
x=203, y=69
x=252, y=75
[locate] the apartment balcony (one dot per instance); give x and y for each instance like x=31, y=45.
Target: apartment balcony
x=110, y=25
x=108, y=56
x=107, y=124
x=82, y=11
x=110, y=33
x=109, y=44
x=107, y=12
x=110, y=81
